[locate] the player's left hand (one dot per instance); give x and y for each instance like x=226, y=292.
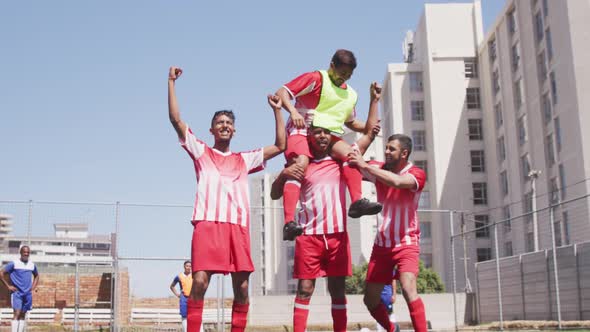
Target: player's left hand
x=275, y=102
x=375, y=91
x=356, y=159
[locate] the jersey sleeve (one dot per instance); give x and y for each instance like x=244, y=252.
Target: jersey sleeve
x=35, y=272
x=175, y=280
x=192, y=145
x=8, y=268
x=419, y=176
x=254, y=160
x=304, y=84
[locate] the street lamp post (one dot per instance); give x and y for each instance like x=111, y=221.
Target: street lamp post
x=533, y=175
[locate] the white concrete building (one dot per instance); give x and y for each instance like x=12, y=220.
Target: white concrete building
x=483, y=111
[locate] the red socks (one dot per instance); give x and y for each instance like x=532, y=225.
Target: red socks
x=353, y=179
x=290, y=198
x=300, y=312
x=418, y=315
x=381, y=316
x=339, y=314
x=239, y=317
x=194, y=315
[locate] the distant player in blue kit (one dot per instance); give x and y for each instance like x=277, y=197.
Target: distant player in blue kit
x=185, y=280
x=23, y=281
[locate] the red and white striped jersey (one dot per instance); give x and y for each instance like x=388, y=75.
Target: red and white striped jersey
x=222, y=181
x=306, y=89
x=398, y=224
x=323, y=198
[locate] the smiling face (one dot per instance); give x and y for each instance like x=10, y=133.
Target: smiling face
x=25, y=252
x=222, y=128
x=319, y=140
x=187, y=268
x=395, y=155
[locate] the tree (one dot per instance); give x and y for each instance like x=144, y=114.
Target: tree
x=428, y=280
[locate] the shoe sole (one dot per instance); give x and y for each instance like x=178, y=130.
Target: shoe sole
x=369, y=212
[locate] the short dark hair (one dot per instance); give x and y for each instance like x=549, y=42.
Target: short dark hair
x=228, y=113
x=23, y=248
x=404, y=141
x=183, y=264
x=344, y=57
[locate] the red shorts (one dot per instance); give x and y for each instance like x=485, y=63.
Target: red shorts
x=384, y=260
x=313, y=260
x=297, y=145
x=220, y=247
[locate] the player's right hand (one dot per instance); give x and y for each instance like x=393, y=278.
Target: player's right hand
x=298, y=120
x=12, y=288
x=174, y=73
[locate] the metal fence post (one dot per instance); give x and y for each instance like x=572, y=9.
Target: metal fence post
x=555, y=274
x=77, y=298
x=116, y=282
x=454, y=272
x=498, y=277
x=219, y=296
x=30, y=222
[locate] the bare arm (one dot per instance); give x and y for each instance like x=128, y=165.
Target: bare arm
x=35, y=281
x=372, y=125
x=285, y=97
x=280, y=134
x=4, y=277
x=356, y=125
x=386, y=177
x=173, y=288
x=293, y=172
x=173, y=111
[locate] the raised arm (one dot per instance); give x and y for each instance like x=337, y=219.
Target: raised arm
x=173, y=111
x=280, y=134
x=372, y=127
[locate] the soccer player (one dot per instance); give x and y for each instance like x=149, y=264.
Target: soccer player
x=324, y=100
x=323, y=250
x=221, y=239
x=388, y=297
x=185, y=280
x=24, y=278
x=399, y=184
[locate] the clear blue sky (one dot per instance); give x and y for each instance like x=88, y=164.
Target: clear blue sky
x=83, y=110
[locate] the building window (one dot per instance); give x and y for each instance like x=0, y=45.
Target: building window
x=562, y=181
x=416, y=81
x=424, y=201
x=553, y=87
x=425, y=231
x=554, y=191
x=512, y=22
x=504, y=183
x=475, y=129
x=557, y=129
x=427, y=260
x=419, y=140
x=522, y=136
x=290, y=253
x=480, y=193
x=549, y=44
x=472, y=98
x=546, y=108
x=506, y=217
x=518, y=94
x=481, y=226
x=530, y=242
x=484, y=254
x=498, y=115
x=471, y=68
x=508, y=249
x=542, y=67
x=525, y=167
x=549, y=150
x=422, y=164
x=515, y=57
x=477, y=161
x=501, y=149
x=539, y=26
x=496, y=81
x=417, y=107
x=557, y=232
x=492, y=50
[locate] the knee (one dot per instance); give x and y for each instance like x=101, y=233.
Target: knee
x=304, y=291
x=242, y=293
x=409, y=291
x=199, y=287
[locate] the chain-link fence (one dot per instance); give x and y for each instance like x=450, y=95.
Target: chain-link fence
x=506, y=261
